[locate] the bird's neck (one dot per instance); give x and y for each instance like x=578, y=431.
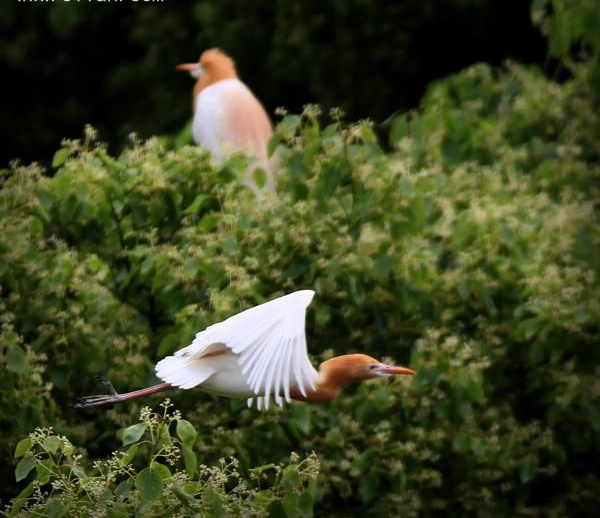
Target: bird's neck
x=321, y=394
x=216, y=75
x=329, y=383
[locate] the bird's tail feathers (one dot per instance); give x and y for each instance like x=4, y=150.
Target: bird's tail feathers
x=183, y=372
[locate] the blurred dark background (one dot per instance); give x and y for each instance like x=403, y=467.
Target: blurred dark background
x=113, y=64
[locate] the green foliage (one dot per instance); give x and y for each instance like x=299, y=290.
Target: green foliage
x=568, y=24
x=571, y=27
x=475, y=256
x=146, y=477
x=469, y=251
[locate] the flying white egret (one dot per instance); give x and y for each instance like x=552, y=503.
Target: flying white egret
x=257, y=354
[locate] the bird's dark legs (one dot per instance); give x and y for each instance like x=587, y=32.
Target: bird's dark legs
x=107, y=384
x=115, y=397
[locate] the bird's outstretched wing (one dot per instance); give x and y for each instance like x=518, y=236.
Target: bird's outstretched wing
x=270, y=342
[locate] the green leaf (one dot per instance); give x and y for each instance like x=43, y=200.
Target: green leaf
x=305, y=504
x=290, y=478
x=44, y=471
x=78, y=471
x=290, y=505
x=133, y=433
x=208, y=223
x=264, y=467
x=381, y=398
x=464, y=289
x=21, y=499
x=382, y=266
x=149, y=483
x=23, y=446
x=164, y=436
x=24, y=467
x=528, y=469
x=296, y=269
x=288, y=125
x=399, y=128
x=301, y=417
x=129, y=455
x=51, y=444
x=475, y=391
x=184, y=498
x=331, y=179
x=123, y=489
x=365, y=460
x=186, y=433
x=60, y=157
x=274, y=141
x=118, y=511
x=167, y=344
x=163, y=471
x=260, y=177
x=184, y=137
x=261, y=499
x=190, y=460
x=214, y=500
x=367, y=133
x=105, y=496
x=147, y=265
x=55, y=507
x=196, y=204
x=276, y=510
x=322, y=315
x=528, y=328
x=16, y=360
x=368, y=487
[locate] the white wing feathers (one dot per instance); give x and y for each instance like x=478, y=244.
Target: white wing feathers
x=271, y=345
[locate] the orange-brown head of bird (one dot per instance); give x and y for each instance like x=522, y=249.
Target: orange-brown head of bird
x=212, y=66
x=338, y=372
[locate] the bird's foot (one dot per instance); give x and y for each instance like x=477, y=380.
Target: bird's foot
x=90, y=401
x=107, y=384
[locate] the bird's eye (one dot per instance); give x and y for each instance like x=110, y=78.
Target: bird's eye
x=373, y=366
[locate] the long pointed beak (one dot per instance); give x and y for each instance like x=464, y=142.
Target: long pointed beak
x=188, y=67
x=393, y=369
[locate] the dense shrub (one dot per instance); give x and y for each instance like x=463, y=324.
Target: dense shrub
x=156, y=474
x=470, y=252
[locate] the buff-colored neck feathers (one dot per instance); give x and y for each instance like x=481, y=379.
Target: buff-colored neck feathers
x=337, y=373
x=216, y=66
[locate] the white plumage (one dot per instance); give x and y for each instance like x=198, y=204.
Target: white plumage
x=260, y=352
x=228, y=118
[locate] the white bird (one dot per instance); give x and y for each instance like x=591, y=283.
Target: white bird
x=228, y=118
x=258, y=354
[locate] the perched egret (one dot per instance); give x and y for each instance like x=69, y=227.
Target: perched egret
x=228, y=118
